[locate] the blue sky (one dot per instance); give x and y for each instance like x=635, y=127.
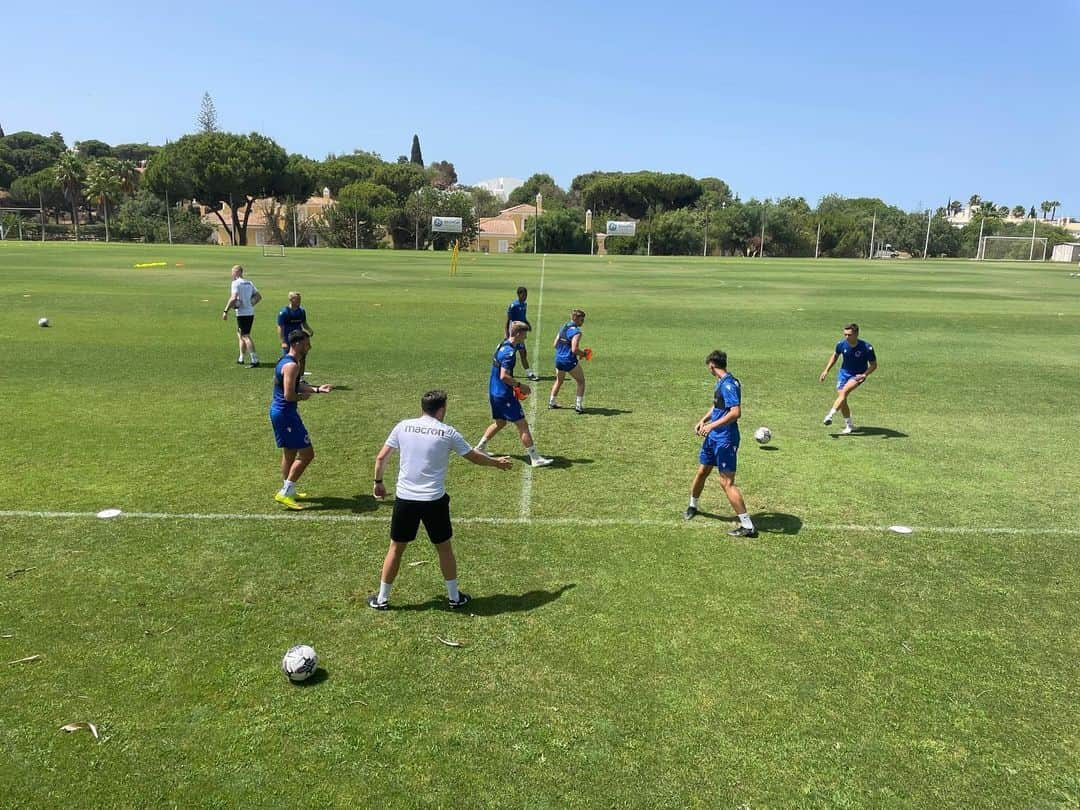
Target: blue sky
x=909, y=102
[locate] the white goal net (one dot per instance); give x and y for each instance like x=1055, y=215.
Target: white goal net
x=273, y=250
x=1012, y=249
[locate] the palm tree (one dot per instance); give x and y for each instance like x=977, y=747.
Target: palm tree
x=974, y=201
x=1046, y=205
x=128, y=173
x=955, y=207
x=1018, y=211
x=102, y=182
x=69, y=176
x=1054, y=205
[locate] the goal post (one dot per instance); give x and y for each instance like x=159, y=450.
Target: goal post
x=1012, y=249
x=273, y=250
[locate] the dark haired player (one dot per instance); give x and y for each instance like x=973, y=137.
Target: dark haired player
x=859, y=362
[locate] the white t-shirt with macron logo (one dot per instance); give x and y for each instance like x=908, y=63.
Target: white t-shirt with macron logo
x=425, y=445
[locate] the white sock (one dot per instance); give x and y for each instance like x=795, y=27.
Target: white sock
x=384, y=591
x=532, y=452
x=831, y=413
x=254, y=357
x=240, y=359
x=746, y=522
x=528, y=372
x=480, y=445
x=693, y=501
x=847, y=421
x=452, y=590
x=551, y=400
x=288, y=488
x=577, y=401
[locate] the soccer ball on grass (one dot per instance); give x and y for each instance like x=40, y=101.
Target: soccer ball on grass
x=762, y=435
x=43, y=322
x=299, y=663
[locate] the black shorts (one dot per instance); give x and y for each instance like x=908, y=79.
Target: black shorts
x=243, y=324
x=408, y=515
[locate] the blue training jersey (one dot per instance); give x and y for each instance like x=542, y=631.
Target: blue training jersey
x=279, y=403
x=564, y=351
x=516, y=311
x=290, y=320
x=726, y=395
x=505, y=357
x=855, y=358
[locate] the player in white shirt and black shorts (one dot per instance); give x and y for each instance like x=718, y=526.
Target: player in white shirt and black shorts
x=243, y=296
x=425, y=444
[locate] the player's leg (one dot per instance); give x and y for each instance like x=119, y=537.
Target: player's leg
x=492, y=429
x=842, y=405
x=239, y=341
x=437, y=523
x=697, y=487
x=579, y=377
x=404, y=523
x=527, y=442
x=254, y=355
x=524, y=354
x=292, y=437
x=303, y=458
x=560, y=375
x=288, y=456
x=726, y=470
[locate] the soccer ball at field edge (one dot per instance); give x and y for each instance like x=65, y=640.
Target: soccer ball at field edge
x=299, y=663
x=762, y=435
x=43, y=322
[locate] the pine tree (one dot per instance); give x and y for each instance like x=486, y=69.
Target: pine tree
x=207, y=115
x=415, y=156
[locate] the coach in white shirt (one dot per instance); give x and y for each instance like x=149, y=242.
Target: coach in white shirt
x=425, y=444
x=243, y=297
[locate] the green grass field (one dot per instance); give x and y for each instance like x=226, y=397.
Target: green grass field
x=614, y=655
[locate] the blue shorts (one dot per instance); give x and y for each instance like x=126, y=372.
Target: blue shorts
x=721, y=456
x=507, y=408
x=844, y=377
x=289, y=431
x=566, y=365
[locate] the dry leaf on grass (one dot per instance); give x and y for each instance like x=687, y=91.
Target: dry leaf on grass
x=17, y=571
x=28, y=660
x=418, y=562
x=79, y=726
x=449, y=643
x=8, y=635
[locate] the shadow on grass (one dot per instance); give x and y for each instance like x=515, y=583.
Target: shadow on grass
x=494, y=604
x=317, y=677
x=557, y=462
x=764, y=522
x=768, y=448
x=604, y=411
x=355, y=504
x=885, y=433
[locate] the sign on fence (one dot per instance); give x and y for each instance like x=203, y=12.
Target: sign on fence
x=621, y=228
x=446, y=224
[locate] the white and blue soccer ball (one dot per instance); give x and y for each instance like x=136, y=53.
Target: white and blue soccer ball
x=299, y=663
x=43, y=322
x=762, y=435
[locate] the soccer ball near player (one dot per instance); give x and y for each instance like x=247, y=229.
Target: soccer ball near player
x=299, y=663
x=762, y=435
x=43, y=322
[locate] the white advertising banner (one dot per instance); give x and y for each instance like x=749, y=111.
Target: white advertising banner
x=621, y=228
x=446, y=224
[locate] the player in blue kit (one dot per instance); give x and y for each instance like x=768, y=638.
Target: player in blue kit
x=504, y=392
x=859, y=362
x=289, y=431
x=291, y=318
x=517, y=312
x=567, y=352
x=720, y=429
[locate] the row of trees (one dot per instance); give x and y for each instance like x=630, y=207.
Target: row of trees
x=378, y=202
x=977, y=203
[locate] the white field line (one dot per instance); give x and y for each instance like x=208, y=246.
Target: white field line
x=526, y=480
x=508, y=521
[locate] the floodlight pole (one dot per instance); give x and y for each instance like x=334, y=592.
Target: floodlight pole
x=295, y=228
x=926, y=245
x=817, y=244
x=588, y=229
x=536, y=225
x=873, y=231
x=168, y=215
x=761, y=247
x=979, y=249
x=705, y=248
x=1031, y=255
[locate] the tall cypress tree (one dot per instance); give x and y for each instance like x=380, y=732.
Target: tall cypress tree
x=415, y=156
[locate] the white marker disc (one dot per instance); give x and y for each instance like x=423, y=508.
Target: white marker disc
x=108, y=513
x=901, y=529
